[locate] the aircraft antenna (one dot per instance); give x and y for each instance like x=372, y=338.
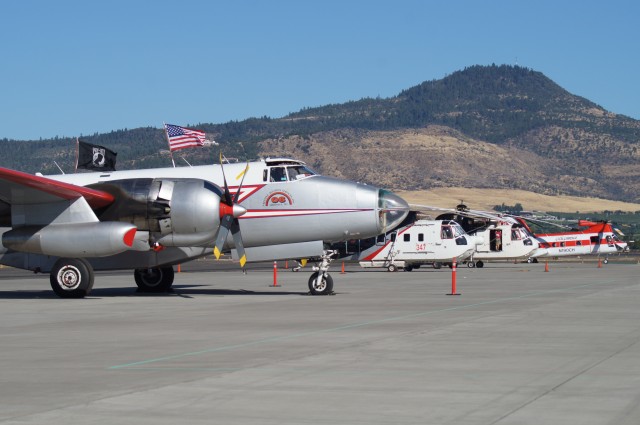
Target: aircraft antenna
x=58, y=167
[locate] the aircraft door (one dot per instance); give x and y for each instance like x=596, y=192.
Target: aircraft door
x=496, y=240
x=595, y=243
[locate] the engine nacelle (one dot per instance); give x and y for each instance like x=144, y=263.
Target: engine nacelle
x=76, y=240
x=176, y=212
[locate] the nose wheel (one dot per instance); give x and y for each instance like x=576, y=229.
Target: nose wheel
x=320, y=284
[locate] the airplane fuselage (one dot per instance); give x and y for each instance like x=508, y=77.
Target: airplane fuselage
x=287, y=205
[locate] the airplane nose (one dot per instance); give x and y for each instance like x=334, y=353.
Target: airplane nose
x=392, y=209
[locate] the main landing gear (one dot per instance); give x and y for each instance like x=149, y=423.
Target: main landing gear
x=320, y=282
x=156, y=279
x=74, y=277
x=71, y=278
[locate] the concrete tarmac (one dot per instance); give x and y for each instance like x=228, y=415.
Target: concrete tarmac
x=518, y=346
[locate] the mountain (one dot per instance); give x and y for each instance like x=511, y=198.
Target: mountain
x=484, y=126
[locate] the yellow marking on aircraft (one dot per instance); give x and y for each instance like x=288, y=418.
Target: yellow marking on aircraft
x=242, y=172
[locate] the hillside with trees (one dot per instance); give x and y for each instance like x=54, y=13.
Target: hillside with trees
x=484, y=126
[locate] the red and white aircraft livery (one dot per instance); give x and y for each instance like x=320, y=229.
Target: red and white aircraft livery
x=597, y=238
x=149, y=220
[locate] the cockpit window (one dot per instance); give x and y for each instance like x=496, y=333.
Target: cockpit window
x=446, y=232
x=278, y=174
x=290, y=173
x=298, y=172
x=457, y=230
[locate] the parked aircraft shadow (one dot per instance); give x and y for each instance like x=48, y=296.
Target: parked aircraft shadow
x=184, y=291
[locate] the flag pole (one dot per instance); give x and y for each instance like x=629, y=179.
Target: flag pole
x=77, y=154
x=169, y=142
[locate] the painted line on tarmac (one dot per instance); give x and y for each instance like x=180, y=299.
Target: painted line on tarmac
x=133, y=365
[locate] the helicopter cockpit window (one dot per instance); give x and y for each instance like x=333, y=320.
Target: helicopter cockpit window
x=446, y=232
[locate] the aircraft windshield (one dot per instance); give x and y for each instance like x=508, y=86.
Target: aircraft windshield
x=290, y=173
x=457, y=230
x=297, y=172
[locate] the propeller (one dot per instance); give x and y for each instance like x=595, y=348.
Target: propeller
x=230, y=210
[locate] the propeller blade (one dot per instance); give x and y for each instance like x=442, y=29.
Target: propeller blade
x=244, y=173
x=223, y=231
x=227, y=195
x=237, y=240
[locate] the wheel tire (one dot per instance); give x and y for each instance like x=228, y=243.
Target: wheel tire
x=529, y=260
x=606, y=261
x=71, y=278
x=156, y=279
x=392, y=268
x=479, y=264
x=322, y=285
x=408, y=268
x=437, y=266
x=471, y=264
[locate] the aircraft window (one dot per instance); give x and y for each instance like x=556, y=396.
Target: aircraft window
x=393, y=237
x=264, y=174
x=407, y=237
x=457, y=230
x=446, y=232
x=579, y=243
x=298, y=172
x=420, y=237
x=461, y=240
x=278, y=174
x=515, y=235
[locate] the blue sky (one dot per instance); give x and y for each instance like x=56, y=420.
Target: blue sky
x=72, y=68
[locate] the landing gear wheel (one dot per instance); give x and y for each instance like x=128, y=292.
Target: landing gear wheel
x=320, y=284
x=71, y=278
x=605, y=261
x=529, y=260
x=471, y=264
x=408, y=268
x=157, y=279
x=479, y=264
x=437, y=266
x=392, y=268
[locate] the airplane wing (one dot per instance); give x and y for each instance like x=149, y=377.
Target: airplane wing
x=21, y=188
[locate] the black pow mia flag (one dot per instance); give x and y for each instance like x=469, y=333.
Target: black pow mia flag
x=95, y=157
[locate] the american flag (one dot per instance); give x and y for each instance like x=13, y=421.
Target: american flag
x=180, y=137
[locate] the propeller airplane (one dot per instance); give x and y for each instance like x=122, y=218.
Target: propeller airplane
x=71, y=225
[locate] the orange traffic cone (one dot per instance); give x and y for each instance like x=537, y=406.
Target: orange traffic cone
x=342, y=272
x=546, y=266
x=599, y=263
